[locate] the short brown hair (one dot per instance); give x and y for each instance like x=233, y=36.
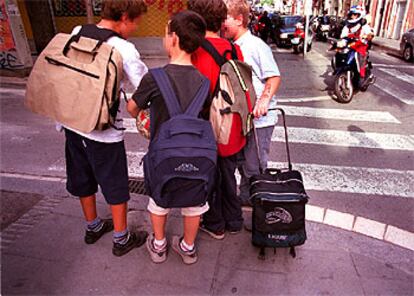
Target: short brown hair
x=114, y=9
x=214, y=12
x=239, y=7
x=190, y=27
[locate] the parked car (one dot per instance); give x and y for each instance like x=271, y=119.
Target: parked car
x=284, y=30
x=407, y=45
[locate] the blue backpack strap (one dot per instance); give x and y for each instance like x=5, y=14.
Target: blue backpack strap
x=164, y=84
x=199, y=99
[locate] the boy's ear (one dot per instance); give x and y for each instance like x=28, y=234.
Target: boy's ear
x=175, y=39
x=124, y=17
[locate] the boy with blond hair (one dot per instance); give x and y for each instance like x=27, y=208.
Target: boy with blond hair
x=266, y=81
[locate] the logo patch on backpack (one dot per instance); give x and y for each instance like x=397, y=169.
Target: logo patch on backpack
x=186, y=168
x=279, y=215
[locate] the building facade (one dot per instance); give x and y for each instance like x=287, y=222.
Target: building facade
x=389, y=18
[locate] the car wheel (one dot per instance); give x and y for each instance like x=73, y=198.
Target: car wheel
x=408, y=54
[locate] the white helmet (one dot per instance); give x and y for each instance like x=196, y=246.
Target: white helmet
x=299, y=25
x=357, y=10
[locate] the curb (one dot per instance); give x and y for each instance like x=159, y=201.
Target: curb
x=345, y=221
x=10, y=80
x=393, y=50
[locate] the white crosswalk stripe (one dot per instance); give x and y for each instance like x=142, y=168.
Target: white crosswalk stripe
x=341, y=114
x=330, y=178
x=345, y=138
x=394, y=90
x=398, y=74
x=330, y=137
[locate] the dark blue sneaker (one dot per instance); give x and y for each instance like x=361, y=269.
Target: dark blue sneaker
x=92, y=237
x=135, y=240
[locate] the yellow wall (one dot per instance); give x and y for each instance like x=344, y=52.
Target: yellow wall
x=152, y=24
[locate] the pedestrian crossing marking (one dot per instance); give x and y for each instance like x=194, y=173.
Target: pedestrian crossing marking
x=395, y=91
x=341, y=114
x=318, y=177
x=398, y=74
x=329, y=137
x=303, y=100
x=393, y=66
x=345, y=138
x=361, y=180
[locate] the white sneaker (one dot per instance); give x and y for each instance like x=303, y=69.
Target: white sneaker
x=189, y=257
x=157, y=256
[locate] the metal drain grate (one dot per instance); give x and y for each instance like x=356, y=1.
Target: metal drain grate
x=137, y=186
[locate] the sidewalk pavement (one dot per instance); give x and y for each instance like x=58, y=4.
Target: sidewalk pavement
x=43, y=253
x=389, y=45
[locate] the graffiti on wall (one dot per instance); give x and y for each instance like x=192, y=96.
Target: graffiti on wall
x=8, y=54
x=172, y=6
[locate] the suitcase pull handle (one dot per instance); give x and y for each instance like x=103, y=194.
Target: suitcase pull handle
x=273, y=171
x=286, y=140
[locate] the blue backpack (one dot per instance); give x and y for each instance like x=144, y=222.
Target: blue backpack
x=180, y=165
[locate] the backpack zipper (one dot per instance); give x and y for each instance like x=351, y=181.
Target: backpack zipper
x=58, y=63
x=276, y=181
x=279, y=194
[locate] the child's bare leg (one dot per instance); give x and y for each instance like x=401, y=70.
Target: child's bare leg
x=119, y=216
x=158, y=225
x=191, y=225
x=88, y=204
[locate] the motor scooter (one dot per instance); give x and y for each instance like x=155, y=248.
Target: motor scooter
x=346, y=70
x=322, y=31
x=298, y=40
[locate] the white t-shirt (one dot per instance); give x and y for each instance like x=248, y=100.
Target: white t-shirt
x=365, y=31
x=259, y=56
x=133, y=71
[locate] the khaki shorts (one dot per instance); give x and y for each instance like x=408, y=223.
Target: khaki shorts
x=190, y=211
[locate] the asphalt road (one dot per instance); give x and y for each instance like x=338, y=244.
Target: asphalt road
x=357, y=158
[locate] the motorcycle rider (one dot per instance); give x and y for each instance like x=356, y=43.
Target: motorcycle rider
x=359, y=32
x=299, y=30
x=322, y=21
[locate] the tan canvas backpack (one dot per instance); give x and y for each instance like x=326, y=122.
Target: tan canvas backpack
x=76, y=80
x=234, y=95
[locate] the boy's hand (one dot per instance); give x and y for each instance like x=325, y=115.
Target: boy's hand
x=261, y=107
x=262, y=104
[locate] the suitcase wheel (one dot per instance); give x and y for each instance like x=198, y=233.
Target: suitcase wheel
x=262, y=254
x=292, y=252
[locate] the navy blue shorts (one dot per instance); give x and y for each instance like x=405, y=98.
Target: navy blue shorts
x=90, y=163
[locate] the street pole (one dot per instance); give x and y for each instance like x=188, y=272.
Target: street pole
x=308, y=12
x=305, y=48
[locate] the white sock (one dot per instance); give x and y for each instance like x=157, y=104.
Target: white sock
x=186, y=247
x=159, y=244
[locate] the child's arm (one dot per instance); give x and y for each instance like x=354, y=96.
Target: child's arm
x=262, y=104
x=132, y=108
